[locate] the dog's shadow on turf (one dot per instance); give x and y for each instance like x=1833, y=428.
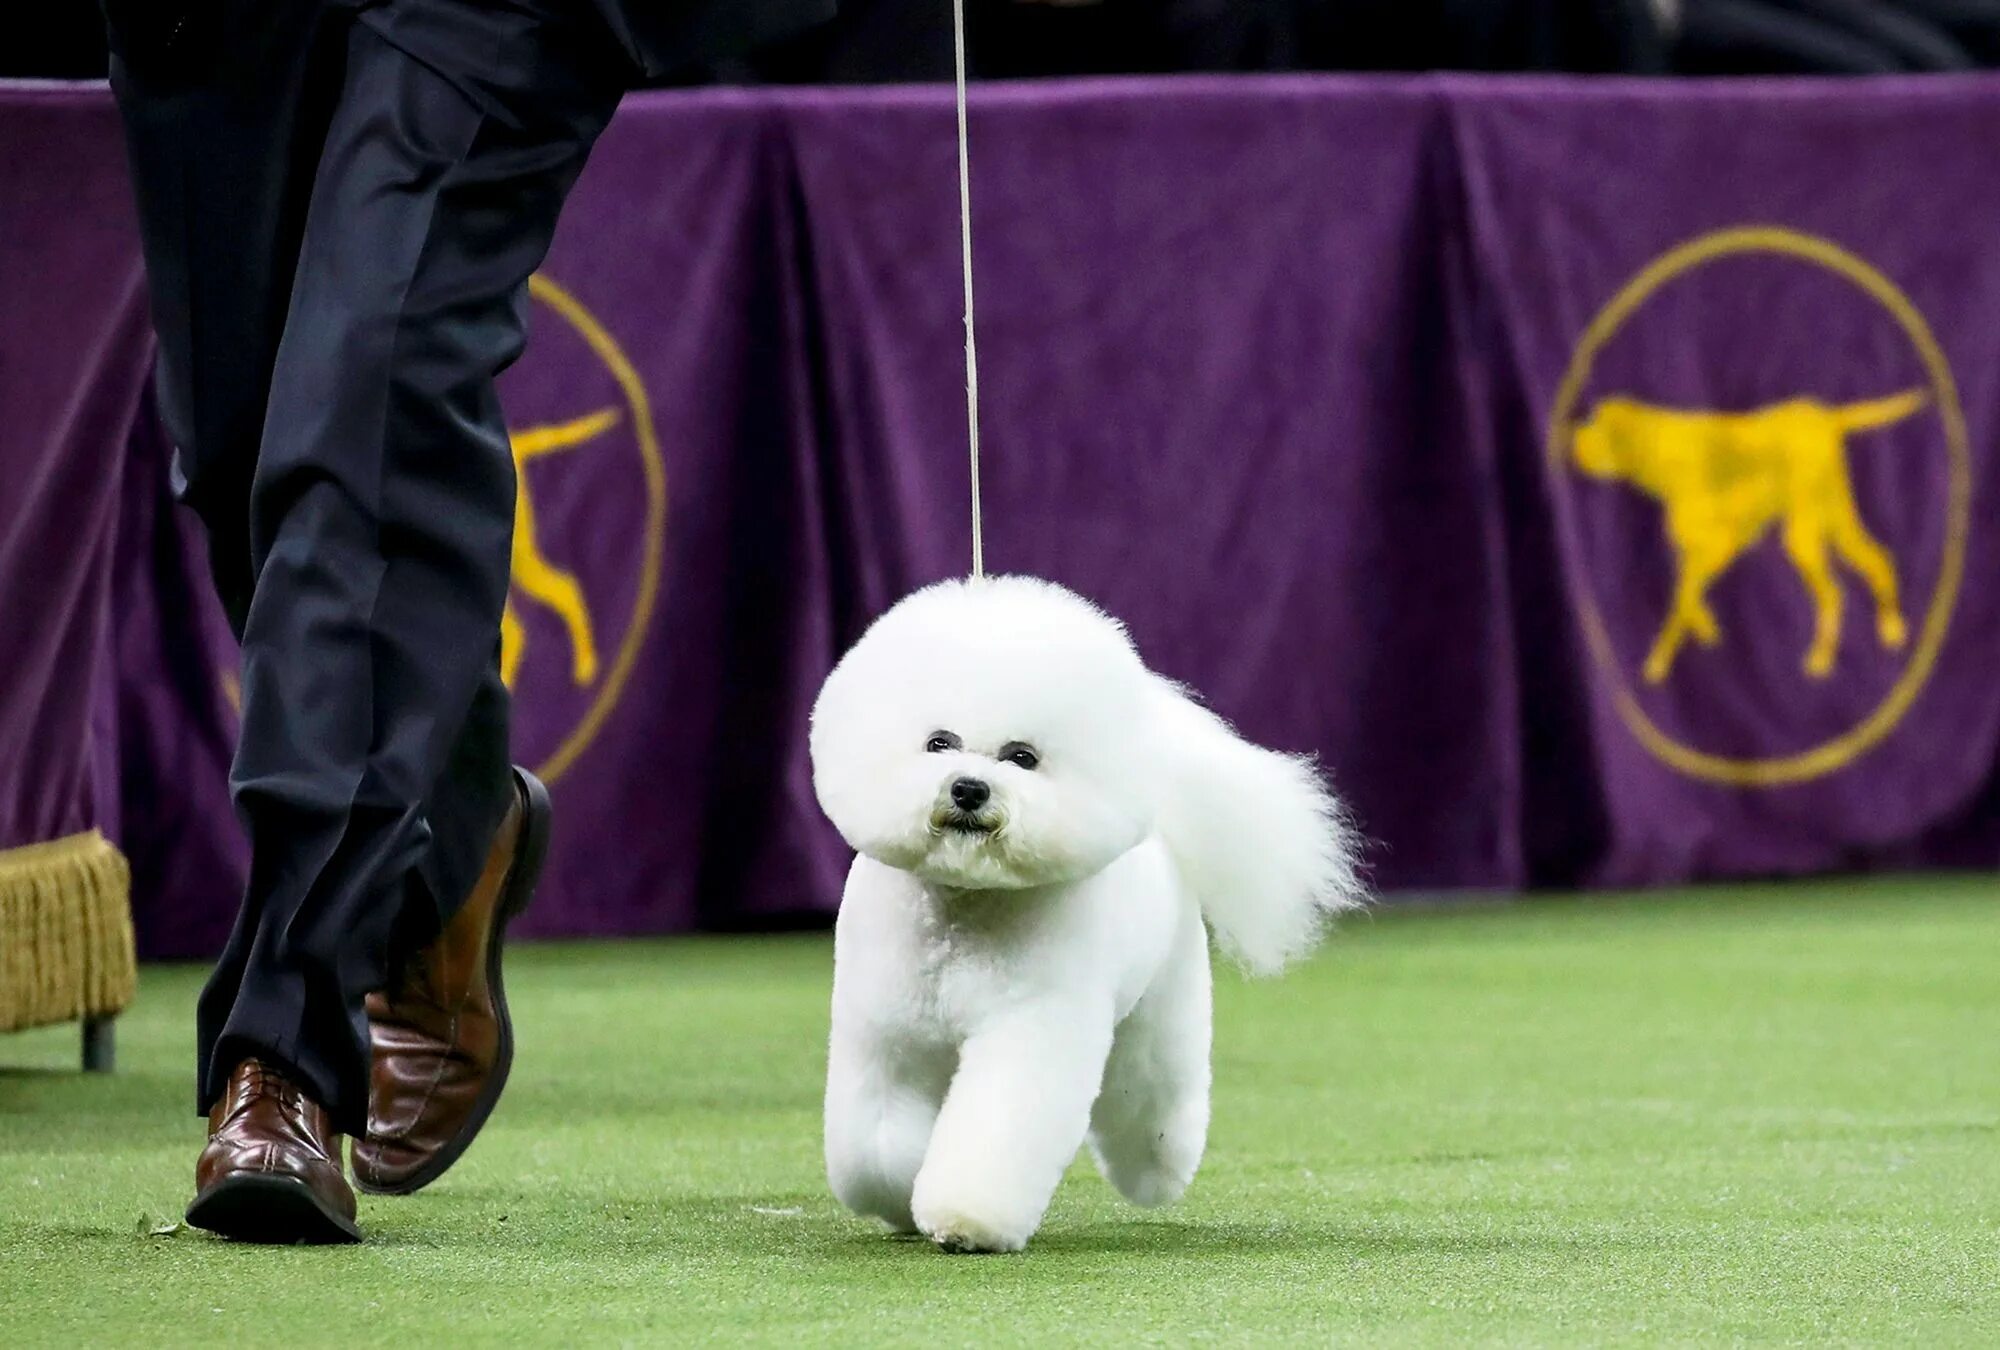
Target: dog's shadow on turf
x=1359, y=1239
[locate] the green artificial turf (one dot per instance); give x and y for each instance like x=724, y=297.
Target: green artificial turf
x=1767, y=1114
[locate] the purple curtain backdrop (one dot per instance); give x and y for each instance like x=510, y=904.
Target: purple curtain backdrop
x=1271, y=368
x=74, y=351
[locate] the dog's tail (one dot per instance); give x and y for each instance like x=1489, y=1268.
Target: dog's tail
x=1881, y=412
x=1258, y=838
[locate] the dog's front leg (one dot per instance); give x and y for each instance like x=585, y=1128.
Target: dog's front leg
x=880, y=1105
x=1011, y=1123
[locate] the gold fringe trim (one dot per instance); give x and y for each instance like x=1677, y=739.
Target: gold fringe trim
x=65, y=932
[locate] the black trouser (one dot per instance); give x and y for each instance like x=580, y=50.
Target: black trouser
x=339, y=238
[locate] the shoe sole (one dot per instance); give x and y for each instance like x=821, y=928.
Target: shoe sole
x=265, y=1208
x=536, y=819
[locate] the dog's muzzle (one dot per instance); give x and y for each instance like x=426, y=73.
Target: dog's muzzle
x=953, y=821
x=966, y=816
x=966, y=806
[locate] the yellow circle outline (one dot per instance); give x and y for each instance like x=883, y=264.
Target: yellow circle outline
x=613, y=357
x=1843, y=749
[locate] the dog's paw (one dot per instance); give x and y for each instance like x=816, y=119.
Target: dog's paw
x=963, y=1234
x=1151, y=1187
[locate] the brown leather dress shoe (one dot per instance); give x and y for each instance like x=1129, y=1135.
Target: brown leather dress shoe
x=441, y=1038
x=271, y=1171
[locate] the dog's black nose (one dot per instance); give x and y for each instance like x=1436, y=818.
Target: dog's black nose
x=969, y=794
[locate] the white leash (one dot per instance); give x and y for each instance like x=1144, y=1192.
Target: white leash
x=965, y=240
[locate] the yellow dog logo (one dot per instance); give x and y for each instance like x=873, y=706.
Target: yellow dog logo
x=537, y=578
x=1725, y=479
x=574, y=671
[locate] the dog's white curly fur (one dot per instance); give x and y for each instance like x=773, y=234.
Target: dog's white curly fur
x=1015, y=978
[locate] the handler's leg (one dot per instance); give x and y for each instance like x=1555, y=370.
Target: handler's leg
x=225, y=108
x=380, y=530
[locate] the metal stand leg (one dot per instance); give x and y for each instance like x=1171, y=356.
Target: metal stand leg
x=100, y=1044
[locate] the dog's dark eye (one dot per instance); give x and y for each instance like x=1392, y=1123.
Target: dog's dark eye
x=942, y=741
x=1019, y=755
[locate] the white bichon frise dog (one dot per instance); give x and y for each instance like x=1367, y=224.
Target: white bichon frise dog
x=1020, y=960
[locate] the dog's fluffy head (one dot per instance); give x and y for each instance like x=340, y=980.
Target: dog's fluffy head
x=988, y=735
